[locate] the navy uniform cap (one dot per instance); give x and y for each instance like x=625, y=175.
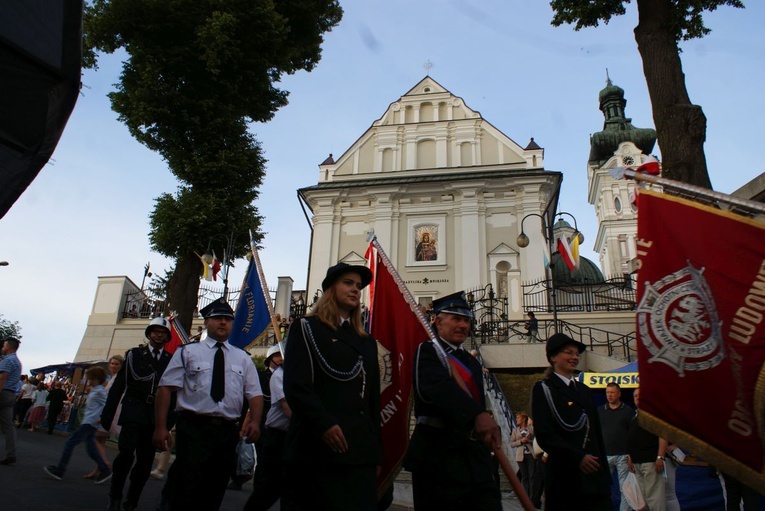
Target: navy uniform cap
x=217, y=308
x=453, y=304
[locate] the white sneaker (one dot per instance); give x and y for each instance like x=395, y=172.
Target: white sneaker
x=157, y=474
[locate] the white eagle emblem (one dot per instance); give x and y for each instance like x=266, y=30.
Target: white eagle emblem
x=678, y=322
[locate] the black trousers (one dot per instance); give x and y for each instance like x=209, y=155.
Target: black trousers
x=205, y=449
x=53, y=413
x=135, y=444
x=330, y=486
x=268, y=483
x=432, y=493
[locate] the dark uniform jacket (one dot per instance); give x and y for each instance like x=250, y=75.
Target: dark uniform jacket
x=138, y=380
x=563, y=479
x=314, y=370
x=441, y=443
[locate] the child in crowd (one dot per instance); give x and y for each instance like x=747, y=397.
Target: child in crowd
x=86, y=432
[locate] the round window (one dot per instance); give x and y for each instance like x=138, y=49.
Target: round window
x=618, y=204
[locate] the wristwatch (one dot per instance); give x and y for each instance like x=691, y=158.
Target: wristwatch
x=660, y=458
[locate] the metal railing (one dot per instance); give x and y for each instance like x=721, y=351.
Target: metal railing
x=150, y=303
x=616, y=294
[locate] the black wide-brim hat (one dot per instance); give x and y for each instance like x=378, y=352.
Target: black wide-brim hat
x=340, y=269
x=558, y=341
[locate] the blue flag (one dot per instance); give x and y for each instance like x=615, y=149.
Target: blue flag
x=252, y=318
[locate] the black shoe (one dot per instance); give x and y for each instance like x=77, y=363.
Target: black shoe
x=54, y=472
x=8, y=460
x=103, y=477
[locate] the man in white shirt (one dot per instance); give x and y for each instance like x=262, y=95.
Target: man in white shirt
x=211, y=379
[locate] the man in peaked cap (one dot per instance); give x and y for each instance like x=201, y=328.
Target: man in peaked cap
x=211, y=379
x=135, y=387
x=450, y=454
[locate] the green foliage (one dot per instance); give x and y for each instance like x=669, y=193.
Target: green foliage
x=197, y=73
x=9, y=328
x=686, y=15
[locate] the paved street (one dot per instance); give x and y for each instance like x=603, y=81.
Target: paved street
x=24, y=486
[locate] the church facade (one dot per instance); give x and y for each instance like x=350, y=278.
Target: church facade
x=445, y=193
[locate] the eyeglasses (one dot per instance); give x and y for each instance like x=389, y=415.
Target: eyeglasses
x=570, y=353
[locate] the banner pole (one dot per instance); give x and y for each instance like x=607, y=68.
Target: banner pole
x=697, y=191
x=266, y=294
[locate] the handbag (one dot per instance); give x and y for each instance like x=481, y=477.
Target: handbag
x=677, y=456
x=536, y=449
x=632, y=493
x=245, y=458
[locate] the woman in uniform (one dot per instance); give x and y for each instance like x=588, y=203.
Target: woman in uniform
x=332, y=385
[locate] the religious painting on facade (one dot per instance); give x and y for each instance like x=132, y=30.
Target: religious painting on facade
x=426, y=243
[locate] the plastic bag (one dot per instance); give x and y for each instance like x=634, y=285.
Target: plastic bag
x=632, y=493
x=245, y=464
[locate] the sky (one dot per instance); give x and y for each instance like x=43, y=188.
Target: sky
x=86, y=214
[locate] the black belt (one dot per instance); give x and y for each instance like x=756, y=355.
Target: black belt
x=206, y=419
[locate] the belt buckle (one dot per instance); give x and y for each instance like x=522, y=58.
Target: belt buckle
x=150, y=399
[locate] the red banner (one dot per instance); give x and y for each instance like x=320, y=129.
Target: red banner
x=701, y=331
x=398, y=332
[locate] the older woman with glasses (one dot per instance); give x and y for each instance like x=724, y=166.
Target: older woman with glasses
x=567, y=428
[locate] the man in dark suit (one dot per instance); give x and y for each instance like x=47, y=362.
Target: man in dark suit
x=450, y=454
x=135, y=386
x=568, y=429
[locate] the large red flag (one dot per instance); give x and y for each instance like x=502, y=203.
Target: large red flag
x=398, y=332
x=178, y=336
x=701, y=332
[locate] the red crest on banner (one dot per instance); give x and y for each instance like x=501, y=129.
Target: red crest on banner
x=701, y=331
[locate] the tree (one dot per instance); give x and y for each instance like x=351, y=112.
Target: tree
x=197, y=73
x=9, y=329
x=680, y=126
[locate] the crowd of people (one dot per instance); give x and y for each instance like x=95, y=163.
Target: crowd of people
x=313, y=415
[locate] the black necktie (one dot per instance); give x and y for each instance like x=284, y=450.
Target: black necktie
x=156, y=354
x=571, y=384
x=218, y=387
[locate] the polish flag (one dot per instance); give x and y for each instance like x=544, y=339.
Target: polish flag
x=650, y=166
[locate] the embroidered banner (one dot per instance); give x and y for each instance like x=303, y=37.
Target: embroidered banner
x=398, y=332
x=701, y=333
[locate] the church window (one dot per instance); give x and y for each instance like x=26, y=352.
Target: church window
x=618, y=204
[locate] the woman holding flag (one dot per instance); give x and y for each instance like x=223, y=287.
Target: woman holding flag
x=332, y=384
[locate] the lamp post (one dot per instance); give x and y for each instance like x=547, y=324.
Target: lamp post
x=549, y=236
x=227, y=251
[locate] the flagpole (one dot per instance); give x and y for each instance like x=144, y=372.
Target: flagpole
x=499, y=453
x=264, y=290
x=697, y=191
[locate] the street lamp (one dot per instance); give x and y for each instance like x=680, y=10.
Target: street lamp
x=547, y=232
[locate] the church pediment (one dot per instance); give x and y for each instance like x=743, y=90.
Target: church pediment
x=354, y=259
x=427, y=130
x=503, y=249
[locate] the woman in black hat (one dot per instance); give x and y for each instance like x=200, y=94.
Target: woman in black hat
x=332, y=384
x=567, y=427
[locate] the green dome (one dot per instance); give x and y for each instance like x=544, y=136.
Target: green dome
x=588, y=272
x=611, y=91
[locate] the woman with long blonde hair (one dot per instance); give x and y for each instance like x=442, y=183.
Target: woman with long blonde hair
x=332, y=384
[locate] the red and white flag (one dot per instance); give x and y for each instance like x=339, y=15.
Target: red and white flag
x=398, y=332
x=701, y=331
x=178, y=335
x=564, y=249
x=650, y=166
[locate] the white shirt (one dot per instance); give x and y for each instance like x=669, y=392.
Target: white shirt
x=276, y=418
x=566, y=381
x=27, y=390
x=190, y=374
